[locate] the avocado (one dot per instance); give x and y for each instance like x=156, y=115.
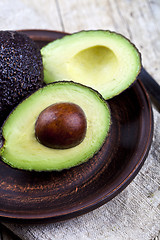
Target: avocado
x=21, y=70
x=103, y=60
x=87, y=114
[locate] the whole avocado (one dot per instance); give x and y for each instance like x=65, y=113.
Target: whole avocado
x=21, y=70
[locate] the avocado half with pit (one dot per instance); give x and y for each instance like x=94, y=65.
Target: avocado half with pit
x=36, y=133
x=103, y=60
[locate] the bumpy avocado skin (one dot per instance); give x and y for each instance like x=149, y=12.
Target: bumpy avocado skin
x=21, y=70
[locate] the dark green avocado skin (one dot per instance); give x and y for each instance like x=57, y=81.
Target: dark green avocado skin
x=21, y=70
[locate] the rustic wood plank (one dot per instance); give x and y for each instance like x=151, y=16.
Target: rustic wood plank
x=47, y=11
x=85, y=15
x=29, y=14
x=139, y=21
x=144, y=32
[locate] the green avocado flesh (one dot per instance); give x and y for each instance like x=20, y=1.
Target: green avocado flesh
x=103, y=60
x=22, y=150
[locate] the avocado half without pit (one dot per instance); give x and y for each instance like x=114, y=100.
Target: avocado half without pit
x=58, y=127
x=103, y=60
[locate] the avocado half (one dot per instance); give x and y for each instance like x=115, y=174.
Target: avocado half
x=21, y=70
x=22, y=150
x=103, y=60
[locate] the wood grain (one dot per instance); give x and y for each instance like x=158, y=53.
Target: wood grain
x=138, y=20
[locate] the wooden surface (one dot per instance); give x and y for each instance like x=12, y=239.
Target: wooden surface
x=138, y=20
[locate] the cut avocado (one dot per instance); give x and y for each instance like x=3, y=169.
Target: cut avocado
x=21, y=70
x=22, y=149
x=103, y=60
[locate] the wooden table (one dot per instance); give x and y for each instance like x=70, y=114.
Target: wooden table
x=139, y=20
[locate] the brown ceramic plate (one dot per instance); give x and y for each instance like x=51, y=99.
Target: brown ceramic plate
x=41, y=197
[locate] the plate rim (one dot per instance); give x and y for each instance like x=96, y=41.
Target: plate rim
x=100, y=200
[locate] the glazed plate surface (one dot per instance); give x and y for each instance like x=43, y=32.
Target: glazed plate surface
x=55, y=196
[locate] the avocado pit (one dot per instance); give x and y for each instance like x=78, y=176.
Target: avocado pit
x=61, y=126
